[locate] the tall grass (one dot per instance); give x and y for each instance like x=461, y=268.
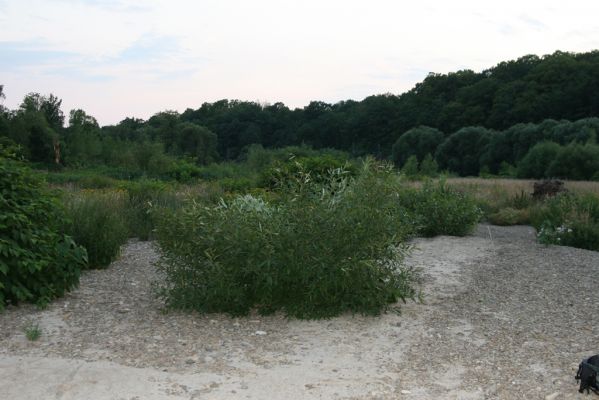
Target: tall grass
x=143, y=196
x=98, y=223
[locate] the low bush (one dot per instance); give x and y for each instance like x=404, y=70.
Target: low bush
x=316, y=169
x=38, y=262
x=322, y=249
x=568, y=220
x=510, y=216
x=439, y=209
x=98, y=223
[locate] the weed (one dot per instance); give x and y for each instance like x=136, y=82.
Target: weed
x=32, y=331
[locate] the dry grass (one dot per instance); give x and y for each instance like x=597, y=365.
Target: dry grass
x=512, y=187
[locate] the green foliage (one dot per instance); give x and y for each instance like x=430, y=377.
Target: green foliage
x=535, y=163
x=429, y=167
x=410, y=168
x=37, y=261
x=510, y=216
x=98, y=223
x=184, y=171
x=316, y=169
x=576, y=162
x=324, y=248
x=568, y=220
x=143, y=196
x=438, y=209
x=32, y=332
x=461, y=151
x=418, y=142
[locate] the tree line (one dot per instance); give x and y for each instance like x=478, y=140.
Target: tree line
x=499, y=113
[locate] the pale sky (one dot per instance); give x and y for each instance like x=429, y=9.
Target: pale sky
x=120, y=58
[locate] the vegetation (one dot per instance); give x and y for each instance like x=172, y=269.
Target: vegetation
x=322, y=249
x=97, y=221
x=438, y=209
x=471, y=123
x=569, y=220
x=32, y=332
x=38, y=262
x=259, y=206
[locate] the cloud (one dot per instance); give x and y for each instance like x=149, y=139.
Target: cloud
x=29, y=53
x=152, y=57
x=151, y=48
x=533, y=23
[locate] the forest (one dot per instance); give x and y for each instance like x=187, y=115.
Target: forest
x=533, y=117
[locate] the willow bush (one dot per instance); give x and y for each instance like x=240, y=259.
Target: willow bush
x=323, y=248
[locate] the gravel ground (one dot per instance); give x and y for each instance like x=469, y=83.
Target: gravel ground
x=503, y=317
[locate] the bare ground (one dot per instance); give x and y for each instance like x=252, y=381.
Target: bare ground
x=503, y=318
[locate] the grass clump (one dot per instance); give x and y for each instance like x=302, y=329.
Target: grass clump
x=569, y=220
x=322, y=249
x=438, y=209
x=98, y=222
x=32, y=332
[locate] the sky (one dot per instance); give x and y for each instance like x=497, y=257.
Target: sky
x=130, y=58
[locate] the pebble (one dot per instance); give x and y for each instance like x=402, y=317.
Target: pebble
x=260, y=333
x=552, y=396
x=405, y=392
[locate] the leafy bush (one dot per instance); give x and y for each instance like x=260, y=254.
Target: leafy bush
x=98, y=222
x=410, y=168
x=322, y=250
x=37, y=261
x=184, y=171
x=237, y=185
x=440, y=210
x=568, y=220
x=429, y=167
x=510, y=216
x=142, y=197
x=315, y=169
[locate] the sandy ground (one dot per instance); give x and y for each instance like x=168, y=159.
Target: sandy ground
x=503, y=317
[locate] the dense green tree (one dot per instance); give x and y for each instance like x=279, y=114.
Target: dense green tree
x=576, y=161
x=418, y=142
x=197, y=142
x=536, y=162
x=461, y=151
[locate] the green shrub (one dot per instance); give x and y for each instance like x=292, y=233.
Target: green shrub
x=98, y=223
x=568, y=220
x=316, y=169
x=37, y=261
x=143, y=196
x=410, y=168
x=320, y=251
x=439, y=209
x=510, y=216
x=428, y=167
x=237, y=185
x=184, y=171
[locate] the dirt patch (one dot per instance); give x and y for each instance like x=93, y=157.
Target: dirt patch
x=503, y=317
